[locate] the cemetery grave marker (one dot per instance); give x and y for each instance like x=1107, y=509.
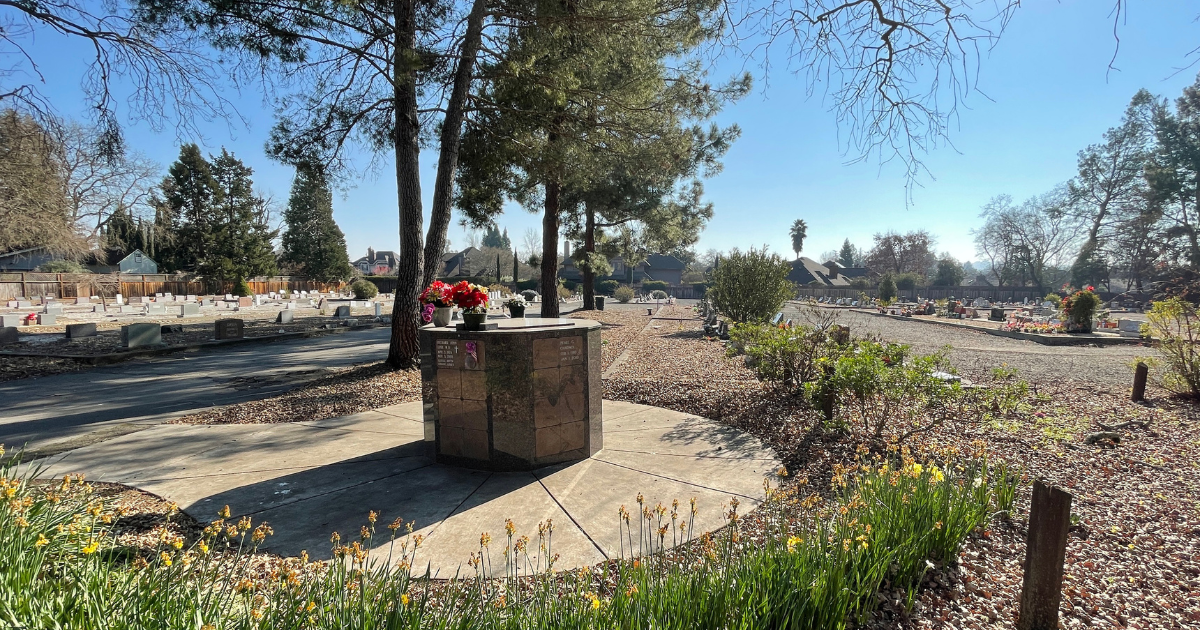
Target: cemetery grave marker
x=8, y=334
x=47, y=319
x=189, y=309
x=76, y=331
x=11, y=321
x=342, y=311
x=140, y=335
x=229, y=329
x=285, y=317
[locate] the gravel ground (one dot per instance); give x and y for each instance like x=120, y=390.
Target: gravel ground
x=1133, y=558
x=974, y=354
x=621, y=327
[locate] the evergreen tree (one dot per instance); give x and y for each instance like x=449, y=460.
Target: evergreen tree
x=848, y=256
x=240, y=245
x=120, y=236
x=516, y=267
x=313, y=244
x=186, y=211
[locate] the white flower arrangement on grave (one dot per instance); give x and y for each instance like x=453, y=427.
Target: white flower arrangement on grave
x=517, y=300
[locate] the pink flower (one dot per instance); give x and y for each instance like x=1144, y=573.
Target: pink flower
x=427, y=313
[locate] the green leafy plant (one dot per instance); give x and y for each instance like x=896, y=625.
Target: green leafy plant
x=658, y=295
x=607, y=287
x=63, y=266
x=364, y=289
x=529, y=294
x=820, y=565
x=1079, y=308
x=1176, y=325
x=654, y=285
x=786, y=356
x=750, y=286
x=887, y=289
x=623, y=294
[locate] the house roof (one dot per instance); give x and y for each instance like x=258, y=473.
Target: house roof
x=808, y=271
x=664, y=261
x=134, y=253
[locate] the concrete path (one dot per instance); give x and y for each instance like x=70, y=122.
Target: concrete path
x=308, y=479
x=127, y=396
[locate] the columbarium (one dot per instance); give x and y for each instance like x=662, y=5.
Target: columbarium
x=522, y=394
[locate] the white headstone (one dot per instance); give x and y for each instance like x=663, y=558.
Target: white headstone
x=120, y=299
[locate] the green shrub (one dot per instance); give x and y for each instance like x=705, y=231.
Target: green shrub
x=571, y=285
x=364, y=289
x=909, y=281
x=63, y=266
x=887, y=289
x=523, y=285
x=242, y=288
x=1079, y=308
x=658, y=294
x=699, y=289
x=606, y=287
x=1176, y=325
x=623, y=294
x=860, y=284
x=529, y=294
x=751, y=286
x=787, y=356
x=654, y=285
x=1055, y=298
x=565, y=293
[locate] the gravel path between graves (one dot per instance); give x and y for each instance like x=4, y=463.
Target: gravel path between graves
x=620, y=328
x=1133, y=560
x=974, y=354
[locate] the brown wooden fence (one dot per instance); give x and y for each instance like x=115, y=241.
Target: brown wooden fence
x=69, y=285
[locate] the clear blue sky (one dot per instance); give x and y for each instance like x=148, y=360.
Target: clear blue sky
x=1050, y=95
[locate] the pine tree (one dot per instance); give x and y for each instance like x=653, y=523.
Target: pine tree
x=313, y=244
x=186, y=212
x=240, y=245
x=847, y=256
x=516, y=267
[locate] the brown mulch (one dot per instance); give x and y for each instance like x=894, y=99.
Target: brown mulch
x=347, y=391
x=13, y=368
x=1133, y=559
x=620, y=328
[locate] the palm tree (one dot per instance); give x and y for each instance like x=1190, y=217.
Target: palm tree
x=799, y=231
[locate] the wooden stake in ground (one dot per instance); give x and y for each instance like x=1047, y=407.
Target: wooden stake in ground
x=1046, y=548
x=1139, y=382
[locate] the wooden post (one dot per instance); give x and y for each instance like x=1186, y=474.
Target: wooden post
x=828, y=395
x=1046, y=549
x=1139, y=382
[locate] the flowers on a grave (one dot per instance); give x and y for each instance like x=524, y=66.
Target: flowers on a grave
x=471, y=298
x=517, y=301
x=1078, y=309
x=439, y=294
x=427, y=313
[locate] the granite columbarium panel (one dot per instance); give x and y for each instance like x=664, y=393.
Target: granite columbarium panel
x=520, y=396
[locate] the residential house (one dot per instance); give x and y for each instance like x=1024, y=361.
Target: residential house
x=662, y=267
x=806, y=271
x=26, y=259
x=468, y=263
x=836, y=269
x=136, y=262
x=377, y=263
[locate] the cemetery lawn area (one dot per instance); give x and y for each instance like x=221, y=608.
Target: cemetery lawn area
x=1133, y=557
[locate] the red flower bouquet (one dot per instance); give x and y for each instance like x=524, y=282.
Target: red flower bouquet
x=471, y=298
x=438, y=294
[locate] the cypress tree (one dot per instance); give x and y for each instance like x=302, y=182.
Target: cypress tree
x=313, y=244
x=239, y=239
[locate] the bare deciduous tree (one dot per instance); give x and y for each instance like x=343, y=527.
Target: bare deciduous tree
x=98, y=184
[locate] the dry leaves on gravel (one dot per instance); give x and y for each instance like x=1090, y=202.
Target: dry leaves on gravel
x=347, y=391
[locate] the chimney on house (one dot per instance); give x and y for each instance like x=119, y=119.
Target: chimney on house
x=566, y=249
x=833, y=269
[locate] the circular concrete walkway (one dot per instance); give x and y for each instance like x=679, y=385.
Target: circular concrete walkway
x=308, y=479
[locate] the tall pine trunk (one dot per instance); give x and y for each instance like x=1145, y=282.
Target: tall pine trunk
x=589, y=246
x=550, y=249
x=451, y=140
x=404, y=350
